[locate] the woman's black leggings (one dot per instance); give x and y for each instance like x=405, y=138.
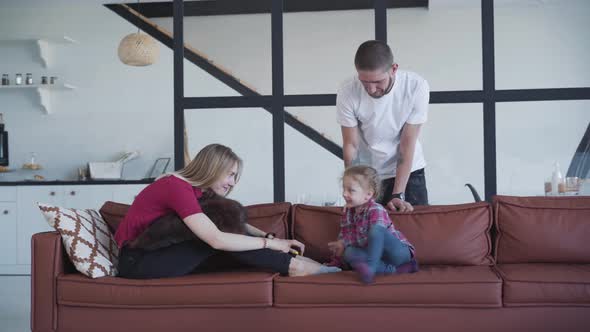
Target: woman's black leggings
x=192, y=256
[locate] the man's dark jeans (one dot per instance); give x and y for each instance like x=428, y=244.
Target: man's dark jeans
x=416, y=193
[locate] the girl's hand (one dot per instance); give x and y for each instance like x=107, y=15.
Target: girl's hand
x=337, y=248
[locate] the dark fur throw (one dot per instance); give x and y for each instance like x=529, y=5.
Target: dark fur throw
x=228, y=215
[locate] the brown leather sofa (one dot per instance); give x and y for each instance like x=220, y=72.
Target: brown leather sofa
x=518, y=264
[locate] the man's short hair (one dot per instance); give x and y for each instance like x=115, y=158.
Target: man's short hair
x=373, y=55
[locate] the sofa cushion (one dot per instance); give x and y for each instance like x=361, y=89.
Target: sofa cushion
x=542, y=229
x=546, y=284
x=86, y=238
x=451, y=234
x=219, y=289
x=272, y=217
x=433, y=286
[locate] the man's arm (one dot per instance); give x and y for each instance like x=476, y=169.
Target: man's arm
x=407, y=146
x=350, y=144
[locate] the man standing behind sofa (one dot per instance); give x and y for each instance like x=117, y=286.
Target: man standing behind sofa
x=381, y=111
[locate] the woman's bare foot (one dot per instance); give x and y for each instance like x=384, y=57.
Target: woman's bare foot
x=306, y=259
x=303, y=266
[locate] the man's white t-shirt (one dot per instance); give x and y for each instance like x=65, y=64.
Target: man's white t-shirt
x=380, y=120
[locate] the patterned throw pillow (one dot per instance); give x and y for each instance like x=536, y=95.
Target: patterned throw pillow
x=87, y=239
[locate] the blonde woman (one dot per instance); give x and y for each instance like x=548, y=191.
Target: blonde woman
x=216, y=168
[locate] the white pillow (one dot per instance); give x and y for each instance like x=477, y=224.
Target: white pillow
x=87, y=239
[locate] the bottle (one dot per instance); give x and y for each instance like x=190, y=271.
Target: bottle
x=18, y=80
x=557, y=184
x=3, y=143
x=5, y=80
x=29, y=79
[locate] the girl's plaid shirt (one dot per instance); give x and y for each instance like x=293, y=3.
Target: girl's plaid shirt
x=356, y=222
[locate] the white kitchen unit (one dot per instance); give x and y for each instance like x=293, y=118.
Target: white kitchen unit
x=21, y=218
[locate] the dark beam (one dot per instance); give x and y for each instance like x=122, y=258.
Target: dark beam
x=228, y=102
x=489, y=105
x=380, y=20
x=542, y=94
x=456, y=97
x=234, y=7
x=278, y=112
x=436, y=97
x=178, y=85
x=310, y=100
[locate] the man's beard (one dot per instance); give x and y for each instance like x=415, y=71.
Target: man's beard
x=391, y=81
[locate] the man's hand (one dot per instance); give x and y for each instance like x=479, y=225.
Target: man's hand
x=337, y=248
x=397, y=204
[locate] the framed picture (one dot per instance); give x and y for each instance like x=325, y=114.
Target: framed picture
x=159, y=168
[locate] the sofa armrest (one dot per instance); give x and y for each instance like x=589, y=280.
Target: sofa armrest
x=47, y=262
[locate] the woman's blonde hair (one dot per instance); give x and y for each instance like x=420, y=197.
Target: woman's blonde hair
x=366, y=176
x=209, y=165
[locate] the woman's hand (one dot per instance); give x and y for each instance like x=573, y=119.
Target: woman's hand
x=337, y=248
x=285, y=245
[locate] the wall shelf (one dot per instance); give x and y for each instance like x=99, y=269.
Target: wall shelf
x=44, y=45
x=43, y=92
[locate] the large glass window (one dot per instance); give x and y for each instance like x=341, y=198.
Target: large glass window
x=319, y=48
x=238, y=45
x=531, y=136
x=442, y=44
x=312, y=173
x=453, y=147
x=542, y=45
x=247, y=131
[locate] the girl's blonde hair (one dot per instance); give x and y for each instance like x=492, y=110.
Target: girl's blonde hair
x=366, y=176
x=210, y=164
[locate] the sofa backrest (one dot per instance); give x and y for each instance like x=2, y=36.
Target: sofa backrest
x=272, y=217
x=450, y=234
x=113, y=213
x=542, y=229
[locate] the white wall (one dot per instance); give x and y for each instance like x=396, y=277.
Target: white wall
x=115, y=107
x=121, y=107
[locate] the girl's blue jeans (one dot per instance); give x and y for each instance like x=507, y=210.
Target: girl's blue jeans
x=383, y=253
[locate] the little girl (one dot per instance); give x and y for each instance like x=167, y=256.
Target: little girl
x=368, y=241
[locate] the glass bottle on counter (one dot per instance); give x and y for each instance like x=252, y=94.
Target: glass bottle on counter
x=3, y=143
x=18, y=80
x=29, y=79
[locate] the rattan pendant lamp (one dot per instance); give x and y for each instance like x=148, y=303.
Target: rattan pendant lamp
x=138, y=49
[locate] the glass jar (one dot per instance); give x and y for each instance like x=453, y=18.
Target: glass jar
x=29, y=79
x=5, y=80
x=18, y=80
